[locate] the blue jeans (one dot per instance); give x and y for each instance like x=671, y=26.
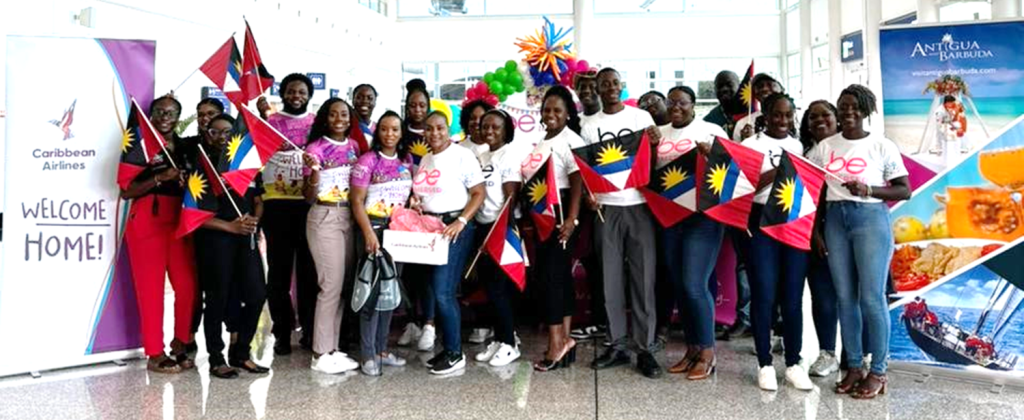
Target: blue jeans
x=860, y=247
x=777, y=273
x=823, y=302
x=445, y=280
x=690, y=249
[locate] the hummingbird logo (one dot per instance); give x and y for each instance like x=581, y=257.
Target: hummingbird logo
x=64, y=123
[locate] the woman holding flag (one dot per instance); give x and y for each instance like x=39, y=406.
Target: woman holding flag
x=381, y=181
x=553, y=268
x=502, y=180
x=329, y=158
x=777, y=269
x=696, y=239
x=866, y=171
x=449, y=185
x=228, y=261
x=154, y=250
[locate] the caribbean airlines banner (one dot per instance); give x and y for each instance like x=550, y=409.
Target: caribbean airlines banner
x=67, y=99
x=949, y=89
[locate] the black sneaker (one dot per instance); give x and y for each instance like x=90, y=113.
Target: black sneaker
x=648, y=365
x=451, y=362
x=610, y=358
x=283, y=347
x=587, y=333
x=433, y=360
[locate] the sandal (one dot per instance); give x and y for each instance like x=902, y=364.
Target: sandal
x=702, y=368
x=684, y=365
x=851, y=381
x=162, y=364
x=873, y=385
x=179, y=352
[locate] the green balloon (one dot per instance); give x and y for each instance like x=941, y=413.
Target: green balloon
x=511, y=65
x=497, y=87
x=502, y=97
x=520, y=88
x=510, y=89
x=489, y=77
x=515, y=78
x=501, y=74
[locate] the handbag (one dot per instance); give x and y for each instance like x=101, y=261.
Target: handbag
x=390, y=295
x=366, y=280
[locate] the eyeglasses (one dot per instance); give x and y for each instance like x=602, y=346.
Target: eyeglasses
x=161, y=113
x=670, y=103
x=218, y=133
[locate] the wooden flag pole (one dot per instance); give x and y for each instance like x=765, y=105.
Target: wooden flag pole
x=220, y=181
x=489, y=233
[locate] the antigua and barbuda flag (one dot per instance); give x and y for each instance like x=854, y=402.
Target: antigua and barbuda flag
x=252, y=143
x=506, y=248
x=616, y=164
x=418, y=148
x=541, y=192
x=745, y=94
x=672, y=191
x=202, y=189
x=139, y=144
x=728, y=180
x=224, y=68
x=789, y=214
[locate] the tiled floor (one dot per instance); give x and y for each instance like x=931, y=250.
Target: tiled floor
x=291, y=390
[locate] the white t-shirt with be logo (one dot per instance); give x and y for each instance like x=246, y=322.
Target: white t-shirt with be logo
x=676, y=142
x=772, y=149
x=443, y=180
x=873, y=160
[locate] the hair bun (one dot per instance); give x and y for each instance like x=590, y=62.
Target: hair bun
x=416, y=84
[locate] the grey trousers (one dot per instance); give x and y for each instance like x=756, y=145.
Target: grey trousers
x=330, y=233
x=627, y=236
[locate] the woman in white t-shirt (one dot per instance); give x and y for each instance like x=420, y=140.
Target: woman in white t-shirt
x=553, y=265
x=690, y=247
x=449, y=185
x=777, y=270
x=501, y=182
x=858, y=236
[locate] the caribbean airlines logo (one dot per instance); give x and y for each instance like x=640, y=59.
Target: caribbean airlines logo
x=949, y=49
x=64, y=123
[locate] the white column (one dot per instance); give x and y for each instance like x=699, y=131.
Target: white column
x=872, y=20
x=835, y=48
x=927, y=11
x=1005, y=9
x=583, y=12
x=783, y=48
x=806, y=74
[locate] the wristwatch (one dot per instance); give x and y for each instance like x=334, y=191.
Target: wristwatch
x=463, y=220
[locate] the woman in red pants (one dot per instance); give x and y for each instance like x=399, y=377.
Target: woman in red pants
x=153, y=250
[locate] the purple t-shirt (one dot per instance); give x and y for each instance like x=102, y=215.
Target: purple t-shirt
x=294, y=127
x=336, y=161
x=388, y=182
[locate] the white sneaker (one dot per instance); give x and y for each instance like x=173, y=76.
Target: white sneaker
x=480, y=335
x=825, y=365
x=486, y=355
x=426, y=341
x=411, y=333
x=797, y=376
x=766, y=379
x=506, y=354
x=333, y=363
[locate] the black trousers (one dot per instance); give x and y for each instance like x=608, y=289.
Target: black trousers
x=500, y=292
x=284, y=225
x=593, y=265
x=231, y=275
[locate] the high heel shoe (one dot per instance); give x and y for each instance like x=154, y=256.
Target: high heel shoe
x=702, y=368
x=568, y=353
x=684, y=365
x=569, y=358
x=850, y=381
x=870, y=387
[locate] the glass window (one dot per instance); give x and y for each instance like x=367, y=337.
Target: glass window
x=791, y=3
x=528, y=7
x=455, y=8
x=819, y=57
x=637, y=6
x=793, y=30
x=793, y=64
x=732, y=6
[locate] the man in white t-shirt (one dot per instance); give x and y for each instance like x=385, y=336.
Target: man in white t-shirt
x=763, y=85
x=627, y=235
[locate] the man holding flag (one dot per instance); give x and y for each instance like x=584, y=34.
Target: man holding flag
x=761, y=86
x=627, y=234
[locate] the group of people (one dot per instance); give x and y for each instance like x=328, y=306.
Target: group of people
x=319, y=234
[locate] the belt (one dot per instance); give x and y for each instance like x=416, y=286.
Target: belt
x=328, y=204
x=447, y=217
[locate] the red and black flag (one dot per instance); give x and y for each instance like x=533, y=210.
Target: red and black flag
x=255, y=77
x=672, y=192
x=506, y=248
x=541, y=192
x=224, y=68
x=728, y=182
x=202, y=189
x=745, y=94
x=789, y=214
x=615, y=164
x=139, y=144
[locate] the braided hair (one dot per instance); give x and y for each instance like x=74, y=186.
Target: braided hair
x=768, y=108
x=866, y=102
